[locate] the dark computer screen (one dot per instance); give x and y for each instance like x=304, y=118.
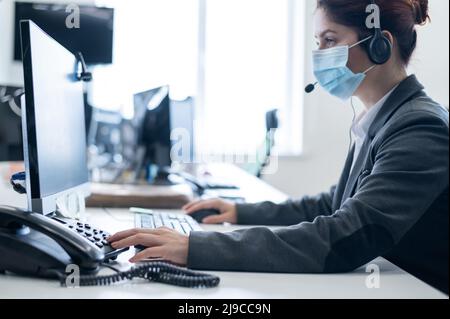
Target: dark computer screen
x=106, y=131
x=56, y=136
x=94, y=37
x=11, y=148
x=152, y=117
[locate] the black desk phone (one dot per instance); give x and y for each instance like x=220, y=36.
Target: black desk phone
x=35, y=245
x=32, y=244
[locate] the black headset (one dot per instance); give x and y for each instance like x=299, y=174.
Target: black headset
x=380, y=47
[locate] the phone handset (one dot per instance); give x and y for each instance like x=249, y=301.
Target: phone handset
x=82, y=252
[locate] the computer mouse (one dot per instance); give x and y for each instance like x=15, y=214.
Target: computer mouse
x=203, y=213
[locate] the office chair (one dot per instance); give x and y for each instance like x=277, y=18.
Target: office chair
x=272, y=124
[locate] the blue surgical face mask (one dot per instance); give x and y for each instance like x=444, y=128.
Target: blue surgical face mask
x=332, y=73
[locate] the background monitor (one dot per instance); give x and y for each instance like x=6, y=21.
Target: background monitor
x=105, y=131
x=94, y=37
x=53, y=121
x=152, y=118
x=11, y=146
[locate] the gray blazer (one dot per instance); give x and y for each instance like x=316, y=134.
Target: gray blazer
x=394, y=203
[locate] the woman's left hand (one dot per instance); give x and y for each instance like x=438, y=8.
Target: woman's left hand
x=163, y=243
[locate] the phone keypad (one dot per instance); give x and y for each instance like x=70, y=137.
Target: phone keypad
x=94, y=235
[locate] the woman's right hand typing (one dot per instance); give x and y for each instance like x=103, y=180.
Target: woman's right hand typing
x=228, y=212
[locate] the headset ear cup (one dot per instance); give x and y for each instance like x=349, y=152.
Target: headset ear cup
x=380, y=49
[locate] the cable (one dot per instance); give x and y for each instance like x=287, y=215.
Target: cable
x=18, y=182
x=353, y=122
x=161, y=272
x=110, y=267
x=84, y=76
x=110, y=214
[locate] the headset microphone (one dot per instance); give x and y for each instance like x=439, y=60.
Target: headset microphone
x=310, y=87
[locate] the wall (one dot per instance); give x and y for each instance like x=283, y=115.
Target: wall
x=431, y=61
x=6, y=40
x=327, y=121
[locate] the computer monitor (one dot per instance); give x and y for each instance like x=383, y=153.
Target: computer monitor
x=53, y=122
x=11, y=147
x=93, y=37
x=105, y=131
x=152, y=119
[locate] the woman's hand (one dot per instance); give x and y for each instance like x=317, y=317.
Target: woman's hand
x=163, y=243
x=228, y=212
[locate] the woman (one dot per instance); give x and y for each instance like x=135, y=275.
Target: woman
x=392, y=198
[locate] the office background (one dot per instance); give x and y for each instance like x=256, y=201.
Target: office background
x=238, y=70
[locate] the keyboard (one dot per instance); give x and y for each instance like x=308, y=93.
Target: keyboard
x=153, y=219
x=94, y=235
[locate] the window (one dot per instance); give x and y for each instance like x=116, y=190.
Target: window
x=239, y=58
x=155, y=44
x=250, y=51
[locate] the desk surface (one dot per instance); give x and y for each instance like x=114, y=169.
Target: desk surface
x=394, y=282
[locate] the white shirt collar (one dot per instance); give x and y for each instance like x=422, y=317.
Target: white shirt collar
x=362, y=125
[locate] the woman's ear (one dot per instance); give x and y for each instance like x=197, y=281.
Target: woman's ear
x=395, y=49
x=390, y=37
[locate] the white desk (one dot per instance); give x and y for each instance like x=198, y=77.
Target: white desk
x=394, y=282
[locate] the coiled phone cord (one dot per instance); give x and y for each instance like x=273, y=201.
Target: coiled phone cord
x=161, y=272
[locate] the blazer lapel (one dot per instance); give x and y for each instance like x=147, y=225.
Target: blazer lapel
x=407, y=90
x=340, y=188
x=356, y=171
